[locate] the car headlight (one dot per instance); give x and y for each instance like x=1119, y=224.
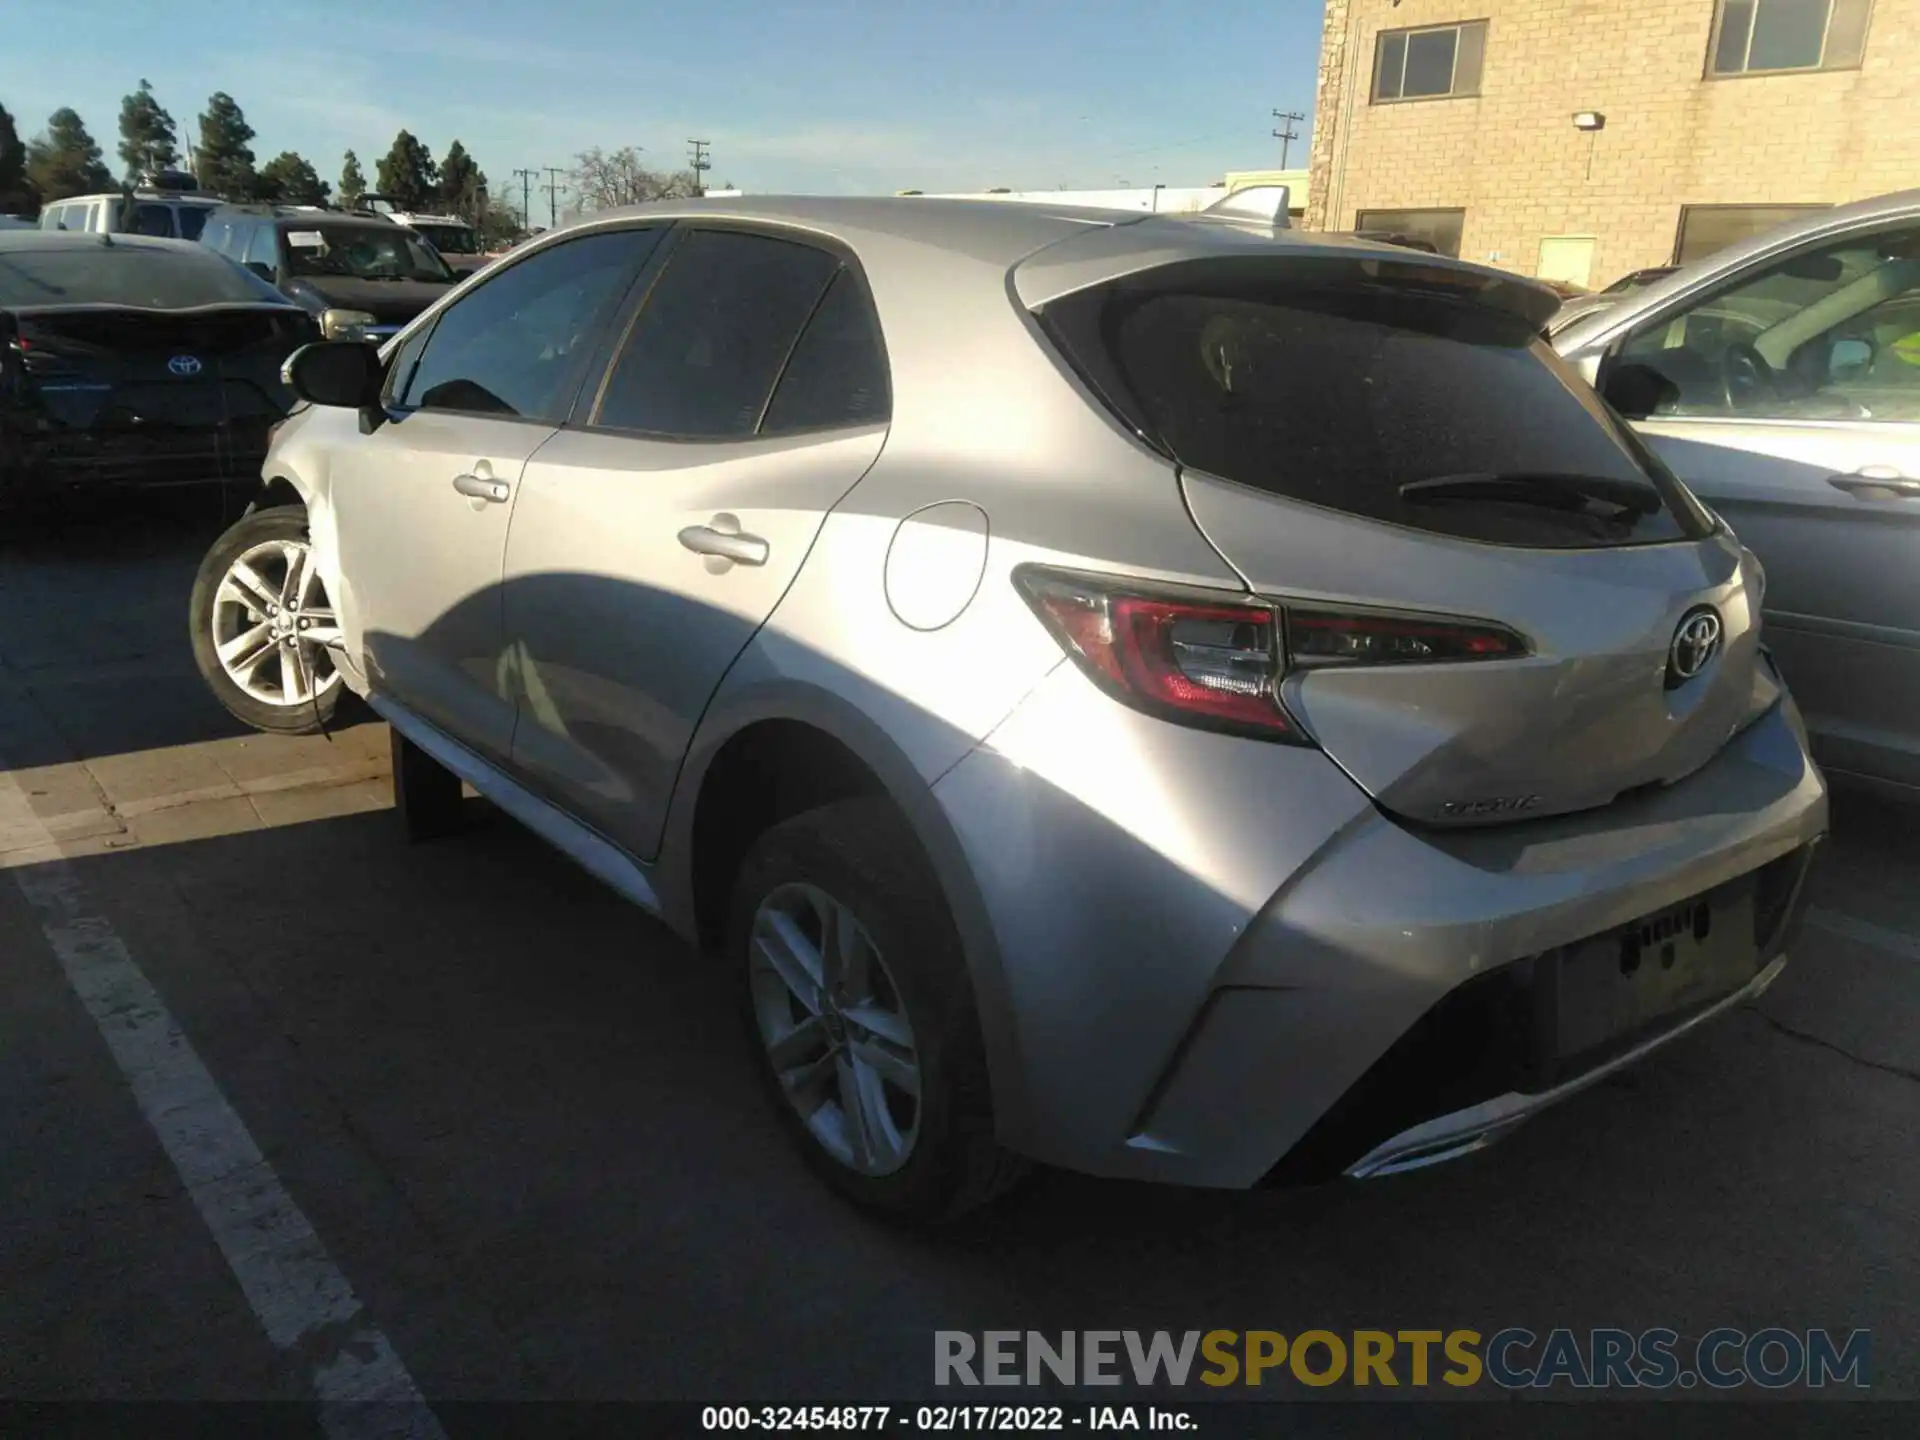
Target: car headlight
x=345, y=324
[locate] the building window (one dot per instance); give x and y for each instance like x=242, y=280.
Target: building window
x=1437, y=228
x=1756, y=37
x=1707, y=228
x=1429, y=64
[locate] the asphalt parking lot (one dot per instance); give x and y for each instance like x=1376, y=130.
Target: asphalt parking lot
x=519, y=1121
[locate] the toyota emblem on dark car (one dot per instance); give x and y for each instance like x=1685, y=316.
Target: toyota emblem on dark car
x=184, y=365
x=1695, y=643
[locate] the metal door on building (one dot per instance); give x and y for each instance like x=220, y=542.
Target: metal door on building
x=1568, y=259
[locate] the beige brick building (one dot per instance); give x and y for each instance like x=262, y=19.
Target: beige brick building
x=1462, y=120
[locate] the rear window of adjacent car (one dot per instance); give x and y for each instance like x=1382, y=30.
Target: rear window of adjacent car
x=1347, y=384
x=140, y=276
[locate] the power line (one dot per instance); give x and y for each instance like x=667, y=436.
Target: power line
x=1288, y=135
x=553, y=190
x=698, y=162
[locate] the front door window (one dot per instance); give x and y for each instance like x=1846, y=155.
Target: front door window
x=1831, y=333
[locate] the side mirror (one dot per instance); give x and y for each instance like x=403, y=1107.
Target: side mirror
x=1637, y=391
x=1849, y=359
x=346, y=374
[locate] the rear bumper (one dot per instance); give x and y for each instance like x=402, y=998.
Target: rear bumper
x=1206, y=947
x=1477, y=1064
x=81, y=460
x=1461, y=1132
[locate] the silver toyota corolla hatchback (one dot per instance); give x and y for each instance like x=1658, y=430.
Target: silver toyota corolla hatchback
x=1166, y=697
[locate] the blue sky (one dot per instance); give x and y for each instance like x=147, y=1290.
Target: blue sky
x=838, y=96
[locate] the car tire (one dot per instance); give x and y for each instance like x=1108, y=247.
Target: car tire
x=264, y=685
x=860, y=857
x=426, y=795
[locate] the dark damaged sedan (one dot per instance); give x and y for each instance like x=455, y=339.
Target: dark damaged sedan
x=126, y=359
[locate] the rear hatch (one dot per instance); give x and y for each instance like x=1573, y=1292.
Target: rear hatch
x=111, y=370
x=1497, y=603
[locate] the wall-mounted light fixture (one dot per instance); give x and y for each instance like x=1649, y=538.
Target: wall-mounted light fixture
x=1589, y=120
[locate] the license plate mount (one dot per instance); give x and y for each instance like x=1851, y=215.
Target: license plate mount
x=1608, y=990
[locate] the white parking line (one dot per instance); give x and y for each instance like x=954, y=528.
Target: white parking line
x=300, y=1297
x=1894, y=942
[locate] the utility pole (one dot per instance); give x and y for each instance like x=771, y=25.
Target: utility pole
x=553, y=189
x=698, y=162
x=525, y=178
x=1288, y=135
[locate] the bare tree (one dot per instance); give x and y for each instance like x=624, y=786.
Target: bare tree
x=602, y=180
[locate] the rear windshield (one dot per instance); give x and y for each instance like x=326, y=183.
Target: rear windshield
x=142, y=276
x=1387, y=390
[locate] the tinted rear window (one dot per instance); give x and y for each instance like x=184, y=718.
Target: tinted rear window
x=192, y=219
x=1344, y=383
x=139, y=276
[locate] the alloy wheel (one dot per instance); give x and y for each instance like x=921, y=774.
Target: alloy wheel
x=272, y=623
x=835, y=1028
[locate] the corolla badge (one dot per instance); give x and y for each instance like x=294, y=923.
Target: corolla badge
x=184, y=365
x=1695, y=643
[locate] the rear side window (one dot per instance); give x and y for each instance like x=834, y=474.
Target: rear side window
x=837, y=373
x=702, y=357
x=146, y=277
x=1380, y=389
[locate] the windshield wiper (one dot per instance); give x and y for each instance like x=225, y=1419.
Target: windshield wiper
x=1543, y=489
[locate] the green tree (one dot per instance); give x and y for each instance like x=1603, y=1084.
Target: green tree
x=148, y=141
x=290, y=179
x=407, y=173
x=353, y=181
x=16, y=192
x=463, y=184
x=65, y=160
x=225, y=162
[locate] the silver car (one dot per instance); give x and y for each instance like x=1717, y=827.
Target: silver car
x=1781, y=380
x=1166, y=697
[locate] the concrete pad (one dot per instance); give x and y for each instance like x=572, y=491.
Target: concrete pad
x=147, y=780
x=60, y=802
x=295, y=807
x=200, y=820
x=282, y=762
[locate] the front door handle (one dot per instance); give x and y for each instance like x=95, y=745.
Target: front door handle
x=1870, y=478
x=721, y=539
x=483, y=487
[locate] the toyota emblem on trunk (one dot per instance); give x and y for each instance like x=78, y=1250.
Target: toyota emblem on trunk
x=184, y=365
x=1695, y=644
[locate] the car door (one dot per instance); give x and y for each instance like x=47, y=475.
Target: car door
x=1792, y=407
x=650, y=541
x=422, y=503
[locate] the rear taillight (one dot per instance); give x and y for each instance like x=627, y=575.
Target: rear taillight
x=1198, y=659
x=1217, y=661
x=1320, y=637
x=41, y=358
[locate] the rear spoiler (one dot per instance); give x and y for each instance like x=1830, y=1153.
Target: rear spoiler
x=1266, y=204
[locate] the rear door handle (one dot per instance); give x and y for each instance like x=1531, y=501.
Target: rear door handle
x=483, y=487
x=721, y=539
x=1869, y=478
